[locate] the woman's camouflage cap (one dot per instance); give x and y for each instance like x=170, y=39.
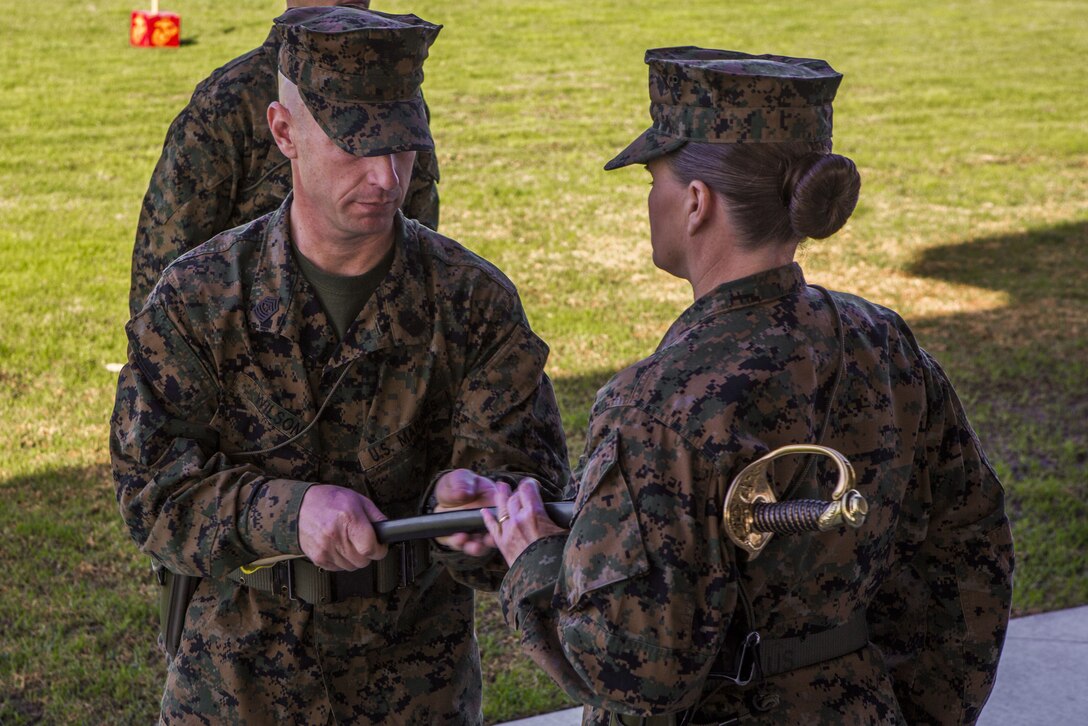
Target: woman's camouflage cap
x=728, y=97
x=358, y=72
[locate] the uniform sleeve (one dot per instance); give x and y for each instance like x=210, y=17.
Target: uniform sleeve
x=506, y=424
x=627, y=613
x=189, y=200
x=942, y=620
x=184, y=503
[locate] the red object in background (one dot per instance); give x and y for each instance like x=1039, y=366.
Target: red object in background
x=150, y=28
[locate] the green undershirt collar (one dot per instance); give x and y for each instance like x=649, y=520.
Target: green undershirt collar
x=343, y=297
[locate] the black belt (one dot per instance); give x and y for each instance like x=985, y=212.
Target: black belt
x=300, y=579
x=765, y=657
x=761, y=658
x=779, y=655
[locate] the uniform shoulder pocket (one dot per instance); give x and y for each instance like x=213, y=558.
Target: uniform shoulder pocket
x=605, y=546
x=598, y=463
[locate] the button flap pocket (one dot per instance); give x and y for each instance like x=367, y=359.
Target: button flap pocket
x=605, y=546
x=598, y=463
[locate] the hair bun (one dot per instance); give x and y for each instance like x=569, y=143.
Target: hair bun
x=824, y=195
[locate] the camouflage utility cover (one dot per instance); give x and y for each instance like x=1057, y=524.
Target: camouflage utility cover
x=727, y=97
x=220, y=168
x=358, y=72
x=232, y=354
x=629, y=612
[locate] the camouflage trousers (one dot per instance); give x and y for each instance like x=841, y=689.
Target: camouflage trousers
x=246, y=657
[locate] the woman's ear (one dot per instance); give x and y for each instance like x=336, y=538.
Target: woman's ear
x=279, y=123
x=699, y=204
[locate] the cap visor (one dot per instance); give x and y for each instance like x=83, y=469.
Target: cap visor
x=373, y=129
x=646, y=147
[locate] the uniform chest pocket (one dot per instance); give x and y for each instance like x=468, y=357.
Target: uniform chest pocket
x=396, y=469
x=605, y=537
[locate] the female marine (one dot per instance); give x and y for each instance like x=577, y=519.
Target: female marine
x=644, y=610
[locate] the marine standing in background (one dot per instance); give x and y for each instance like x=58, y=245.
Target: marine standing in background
x=322, y=367
x=220, y=166
x=645, y=610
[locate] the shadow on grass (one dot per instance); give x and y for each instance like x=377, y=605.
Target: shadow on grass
x=1028, y=359
x=76, y=604
x=1022, y=371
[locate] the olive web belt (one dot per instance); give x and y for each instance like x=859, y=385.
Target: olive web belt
x=757, y=658
x=300, y=579
x=763, y=658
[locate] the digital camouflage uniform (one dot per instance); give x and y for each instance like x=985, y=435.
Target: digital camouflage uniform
x=630, y=613
x=232, y=357
x=220, y=167
x=233, y=353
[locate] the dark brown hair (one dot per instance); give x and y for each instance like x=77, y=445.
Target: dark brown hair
x=778, y=192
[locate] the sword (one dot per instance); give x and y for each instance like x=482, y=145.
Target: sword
x=751, y=513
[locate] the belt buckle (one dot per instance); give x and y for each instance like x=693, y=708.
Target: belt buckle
x=749, y=653
x=283, y=579
x=291, y=580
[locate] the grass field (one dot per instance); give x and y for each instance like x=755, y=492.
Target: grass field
x=968, y=120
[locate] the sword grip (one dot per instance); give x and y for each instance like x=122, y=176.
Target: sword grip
x=752, y=514
x=810, y=515
x=789, y=517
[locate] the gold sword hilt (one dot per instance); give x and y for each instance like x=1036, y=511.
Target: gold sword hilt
x=752, y=514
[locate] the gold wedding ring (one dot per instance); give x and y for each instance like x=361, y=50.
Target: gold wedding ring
x=503, y=518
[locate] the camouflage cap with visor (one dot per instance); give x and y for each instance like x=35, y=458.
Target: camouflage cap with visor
x=728, y=97
x=358, y=72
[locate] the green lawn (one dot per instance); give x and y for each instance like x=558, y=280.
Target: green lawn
x=967, y=120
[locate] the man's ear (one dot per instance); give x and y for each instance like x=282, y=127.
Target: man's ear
x=699, y=203
x=280, y=123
